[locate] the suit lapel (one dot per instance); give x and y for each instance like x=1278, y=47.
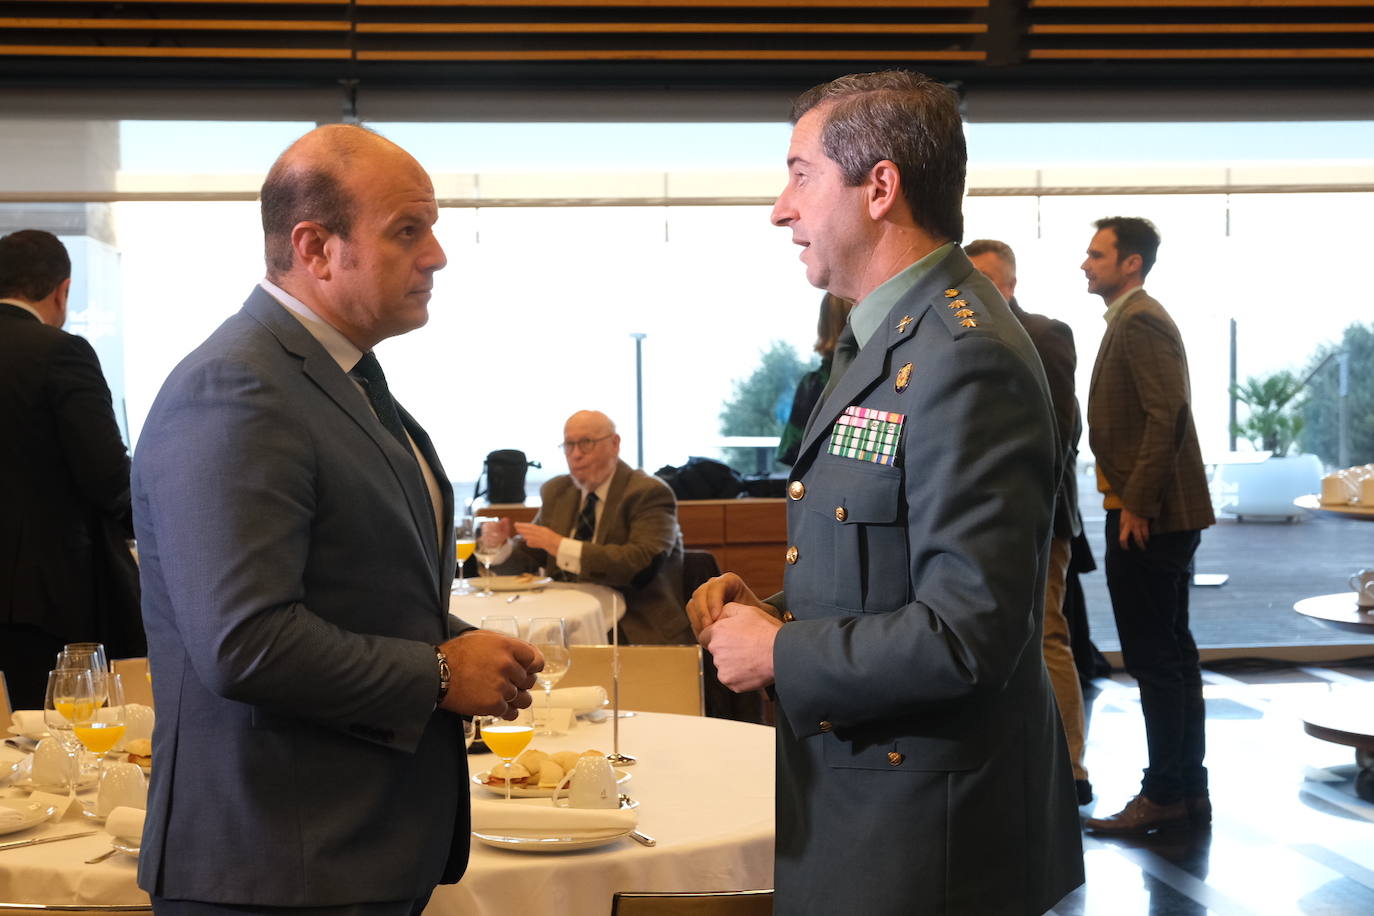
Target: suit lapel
x=320, y=368
x=614, y=494
x=1107, y=339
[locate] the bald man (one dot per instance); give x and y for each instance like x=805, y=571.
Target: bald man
x=296, y=533
x=608, y=523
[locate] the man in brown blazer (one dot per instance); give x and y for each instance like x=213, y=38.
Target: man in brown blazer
x=1149, y=469
x=1053, y=341
x=611, y=524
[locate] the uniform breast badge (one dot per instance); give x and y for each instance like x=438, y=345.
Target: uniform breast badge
x=904, y=377
x=866, y=434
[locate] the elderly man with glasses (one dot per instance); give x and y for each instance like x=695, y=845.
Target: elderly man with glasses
x=608, y=523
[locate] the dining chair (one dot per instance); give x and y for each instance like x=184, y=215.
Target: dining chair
x=5, y=708
x=134, y=673
x=728, y=903
x=652, y=678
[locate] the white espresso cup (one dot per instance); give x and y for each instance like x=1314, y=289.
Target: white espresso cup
x=121, y=786
x=1363, y=584
x=591, y=784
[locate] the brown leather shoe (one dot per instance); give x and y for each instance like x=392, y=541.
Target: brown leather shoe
x=1140, y=816
x=1199, y=809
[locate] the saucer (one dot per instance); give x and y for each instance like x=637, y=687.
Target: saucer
x=129, y=847
x=32, y=813
x=564, y=843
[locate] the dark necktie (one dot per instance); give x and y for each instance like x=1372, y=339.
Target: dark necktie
x=845, y=349
x=586, y=520
x=369, y=372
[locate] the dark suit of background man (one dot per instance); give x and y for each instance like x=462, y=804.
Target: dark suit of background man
x=630, y=542
x=66, y=574
x=1149, y=469
x=1053, y=340
x=921, y=764
x=295, y=529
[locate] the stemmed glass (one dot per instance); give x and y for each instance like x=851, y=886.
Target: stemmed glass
x=104, y=728
x=465, y=541
x=507, y=626
x=550, y=636
x=69, y=699
x=488, y=546
x=89, y=655
x=506, y=740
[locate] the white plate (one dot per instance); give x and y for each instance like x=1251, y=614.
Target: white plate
x=25, y=782
x=510, y=583
x=621, y=778
x=125, y=845
x=551, y=843
x=34, y=814
x=14, y=730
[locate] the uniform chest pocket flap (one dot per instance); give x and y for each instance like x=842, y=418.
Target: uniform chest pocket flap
x=861, y=506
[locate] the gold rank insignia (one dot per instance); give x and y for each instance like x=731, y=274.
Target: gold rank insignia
x=951, y=293
x=904, y=377
x=901, y=325
x=958, y=304
x=964, y=313
x=969, y=323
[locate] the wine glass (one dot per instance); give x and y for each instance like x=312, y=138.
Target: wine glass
x=506, y=740
x=507, y=626
x=550, y=636
x=490, y=537
x=69, y=699
x=90, y=655
x=105, y=727
x=465, y=541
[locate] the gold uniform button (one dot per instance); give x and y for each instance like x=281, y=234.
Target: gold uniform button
x=825, y=726
x=895, y=758
x=796, y=489
x=840, y=514
x=792, y=555
x=787, y=617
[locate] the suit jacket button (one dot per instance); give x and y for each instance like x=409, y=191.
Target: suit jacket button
x=787, y=617
x=840, y=514
x=792, y=555
x=796, y=489
x=825, y=726
x=895, y=758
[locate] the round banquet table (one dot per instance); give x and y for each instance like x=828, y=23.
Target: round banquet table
x=1340, y=611
x=705, y=789
x=586, y=609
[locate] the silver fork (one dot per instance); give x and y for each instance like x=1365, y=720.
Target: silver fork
x=103, y=856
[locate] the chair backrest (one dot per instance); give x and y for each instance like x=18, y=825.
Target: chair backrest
x=133, y=672
x=5, y=707
x=652, y=678
x=697, y=567
x=731, y=903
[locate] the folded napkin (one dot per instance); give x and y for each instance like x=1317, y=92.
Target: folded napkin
x=543, y=819
x=579, y=699
x=125, y=823
x=29, y=722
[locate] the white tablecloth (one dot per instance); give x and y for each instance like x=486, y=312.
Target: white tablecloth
x=587, y=609
x=705, y=788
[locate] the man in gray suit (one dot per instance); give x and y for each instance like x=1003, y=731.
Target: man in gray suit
x=611, y=524
x=295, y=531
x=913, y=703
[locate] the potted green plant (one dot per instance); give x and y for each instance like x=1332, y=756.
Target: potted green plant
x=1272, y=425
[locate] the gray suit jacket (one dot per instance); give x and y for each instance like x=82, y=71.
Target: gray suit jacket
x=1140, y=419
x=913, y=701
x=637, y=549
x=293, y=588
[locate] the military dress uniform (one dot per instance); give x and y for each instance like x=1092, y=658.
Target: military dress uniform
x=921, y=763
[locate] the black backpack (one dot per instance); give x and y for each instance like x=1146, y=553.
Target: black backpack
x=505, y=472
x=702, y=478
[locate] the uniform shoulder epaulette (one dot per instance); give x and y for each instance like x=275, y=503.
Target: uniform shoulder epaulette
x=962, y=312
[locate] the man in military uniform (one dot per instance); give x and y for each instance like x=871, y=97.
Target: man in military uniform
x=903, y=650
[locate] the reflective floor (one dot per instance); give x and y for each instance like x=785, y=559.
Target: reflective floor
x=1290, y=833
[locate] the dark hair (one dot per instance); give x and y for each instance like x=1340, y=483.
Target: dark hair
x=991, y=246
x=906, y=118
x=1134, y=235
x=292, y=194
x=33, y=263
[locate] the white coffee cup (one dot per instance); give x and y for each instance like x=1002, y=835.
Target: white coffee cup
x=1338, y=488
x=121, y=786
x=1363, y=584
x=591, y=784
x=138, y=721
x=50, y=762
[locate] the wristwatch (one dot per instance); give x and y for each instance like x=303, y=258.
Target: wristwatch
x=445, y=675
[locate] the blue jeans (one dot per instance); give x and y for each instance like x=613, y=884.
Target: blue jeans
x=1149, y=590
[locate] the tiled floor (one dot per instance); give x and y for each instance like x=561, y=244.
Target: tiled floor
x=1290, y=834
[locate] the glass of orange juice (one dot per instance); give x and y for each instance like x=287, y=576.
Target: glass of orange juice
x=465, y=542
x=104, y=728
x=69, y=699
x=507, y=740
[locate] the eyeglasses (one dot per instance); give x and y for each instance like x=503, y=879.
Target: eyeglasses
x=582, y=445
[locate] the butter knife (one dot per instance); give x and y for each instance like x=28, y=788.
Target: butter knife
x=47, y=839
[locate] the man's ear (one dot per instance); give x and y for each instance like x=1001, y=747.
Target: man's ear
x=884, y=187
x=1132, y=263
x=310, y=245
